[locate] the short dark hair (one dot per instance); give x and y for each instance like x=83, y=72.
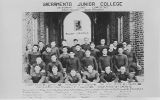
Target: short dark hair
x=78, y=45
x=65, y=47
x=75, y=39
x=92, y=43
x=88, y=50
x=54, y=55
x=40, y=41
x=104, y=48
x=36, y=46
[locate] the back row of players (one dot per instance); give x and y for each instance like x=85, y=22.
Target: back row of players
x=81, y=63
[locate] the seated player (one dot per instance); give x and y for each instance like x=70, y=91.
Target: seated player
x=46, y=56
x=132, y=78
x=79, y=52
x=108, y=75
x=73, y=63
x=64, y=57
x=86, y=44
x=40, y=63
x=54, y=49
x=123, y=76
x=104, y=61
x=94, y=52
x=37, y=75
x=75, y=42
x=55, y=62
x=89, y=60
x=73, y=77
x=120, y=60
x=91, y=75
x=102, y=45
x=54, y=76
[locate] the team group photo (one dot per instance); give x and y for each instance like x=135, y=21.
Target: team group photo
x=83, y=47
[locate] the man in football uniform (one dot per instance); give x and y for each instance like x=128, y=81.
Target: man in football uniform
x=94, y=52
x=122, y=75
x=120, y=60
x=108, y=75
x=86, y=44
x=73, y=77
x=37, y=75
x=46, y=55
x=104, y=61
x=91, y=75
x=79, y=52
x=73, y=63
x=54, y=49
x=64, y=57
x=102, y=45
x=54, y=76
x=55, y=62
x=89, y=60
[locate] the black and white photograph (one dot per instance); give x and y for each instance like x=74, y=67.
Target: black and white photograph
x=83, y=47
x=82, y=50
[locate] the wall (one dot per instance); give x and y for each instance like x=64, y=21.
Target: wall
x=137, y=34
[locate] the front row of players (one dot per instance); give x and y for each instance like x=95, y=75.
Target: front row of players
x=40, y=75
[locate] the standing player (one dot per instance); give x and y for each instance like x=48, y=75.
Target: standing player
x=32, y=57
x=75, y=42
x=64, y=57
x=41, y=47
x=79, y=52
x=73, y=63
x=104, y=61
x=132, y=60
x=111, y=51
x=54, y=49
x=94, y=52
x=102, y=45
x=46, y=55
x=89, y=60
x=26, y=58
x=120, y=60
x=64, y=44
x=55, y=62
x=86, y=44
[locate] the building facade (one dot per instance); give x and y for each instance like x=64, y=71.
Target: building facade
x=120, y=26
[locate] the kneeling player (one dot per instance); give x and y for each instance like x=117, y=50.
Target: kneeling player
x=37, y=75
x=90, y=76
x=54, y=76
x=132, y=76
x=108, y=76
x=123, y=76
x=73, y=77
